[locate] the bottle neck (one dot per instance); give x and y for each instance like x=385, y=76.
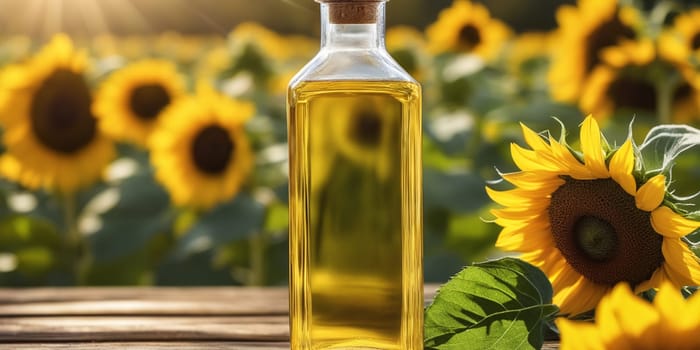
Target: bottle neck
x=352, y=25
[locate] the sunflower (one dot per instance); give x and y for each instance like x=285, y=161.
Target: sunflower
x=51, y=136
x=592, y=220
x=624, y=80
x=583, y=32
x=365, y=130
x=680, y=44
x=528, y=47
x=200, y=150
x=407, y=46
x=255, y=49
x=626, y=322
x=129, y=103
x=467, y=27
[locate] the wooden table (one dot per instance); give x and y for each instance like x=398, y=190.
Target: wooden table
x=146, y=318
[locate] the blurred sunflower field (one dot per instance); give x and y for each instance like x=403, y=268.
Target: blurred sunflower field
x=161, y=159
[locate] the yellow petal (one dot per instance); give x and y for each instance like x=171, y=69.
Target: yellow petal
x=651, y=194
x=670, y=224
x=517, y=197
x=533, y=180
x=575, y=168
x=527, y=160
x=578, y=335
x=673, y=308
x=656, y=279
x=635, y=317
x=693, y=308
x=681, y=264
x=533, y=139
x=561, y=274
x=528, y=238
x=515, y=214
x=581, y=296
x=621, y=166
x=593, y=154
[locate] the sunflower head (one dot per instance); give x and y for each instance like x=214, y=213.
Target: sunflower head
x=680, y=44
x=584, y=31
x=364, y=130
x=467, y=27
x=625, y=321
x=624, y=81
x=621, y=81
x=132, y=99
x=200, y=150
x=593, y=219
x=255, y=49
x=51, y=134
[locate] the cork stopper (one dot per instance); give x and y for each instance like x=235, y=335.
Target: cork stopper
x=352, y=11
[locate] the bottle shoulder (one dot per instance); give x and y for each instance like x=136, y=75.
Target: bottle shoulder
x=365, y=65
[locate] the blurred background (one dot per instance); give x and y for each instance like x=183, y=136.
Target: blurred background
x=42, y=18
x=144, y=142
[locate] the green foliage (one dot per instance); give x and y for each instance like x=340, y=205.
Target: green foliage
x=228, y=222
x=126, y=230
x=502, y=304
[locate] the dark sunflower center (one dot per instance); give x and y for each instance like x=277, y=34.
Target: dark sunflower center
x=147, y=101
x=60, y=112
x=682, y=92
x=602, y=234
x=607, y=34
x=595, y=238
x=366, y=129
x=212, y=149
x=633, y=93
x=695, y=42
x=469, y=37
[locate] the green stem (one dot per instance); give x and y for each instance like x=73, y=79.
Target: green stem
x=258, y=246
x=664, y=99
x=76, y=244
x=474, y=143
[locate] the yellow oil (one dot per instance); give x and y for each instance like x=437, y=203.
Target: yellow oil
x=355, y=215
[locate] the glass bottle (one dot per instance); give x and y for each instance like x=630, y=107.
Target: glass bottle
x=355, y=186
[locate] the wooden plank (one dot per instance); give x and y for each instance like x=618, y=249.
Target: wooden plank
x=134, y=328
x=214, y=345
x=169, y=345
x=144, y=301
x=137, y=301
x=24, y=295
x=33, y=295
x=223, y=307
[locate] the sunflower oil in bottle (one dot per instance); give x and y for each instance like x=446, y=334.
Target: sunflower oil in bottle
x=354, y=125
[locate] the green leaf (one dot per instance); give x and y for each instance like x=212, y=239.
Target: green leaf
x=470, y=236
x=277, y=217
x=35, y=260
x=228, y=222
x=501, y=304
x=460, y=192
x=140, y=211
